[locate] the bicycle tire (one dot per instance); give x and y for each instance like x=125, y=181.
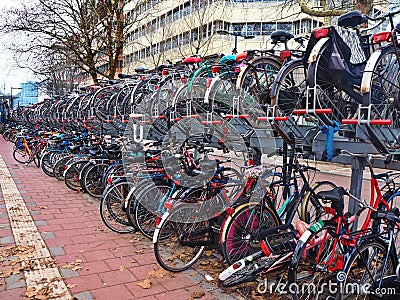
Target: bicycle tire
x=174, y=228
x=21, y=156
x=304, y=261
x=147, y=208
x=383, y=87
x=239, y=234
x=92, y=183
x=111, y=207
x=290, y=87
x=311, y=208
x=367, y=257
x=46, y=164
x=71, y=175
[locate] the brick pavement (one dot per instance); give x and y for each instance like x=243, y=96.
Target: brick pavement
x=95, y=263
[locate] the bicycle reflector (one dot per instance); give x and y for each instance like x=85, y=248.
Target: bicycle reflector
x=321, y=32
x=208, y=84
x=265, y=248
x=382, y=37
x=284, y=54
x=168, y=205
x=215, y=69
x=164, y=72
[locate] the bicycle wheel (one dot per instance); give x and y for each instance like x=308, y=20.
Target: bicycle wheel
x=179, y=242
x=130, y=203
x=384, y=86
x=311, y=259
x=71, y=175
x=59, y=166
x=312, y=210
x=240, y=232
x=46, y=164
x=255, y=80
x=92, y=183
x=112, y=209
x=290, y=87
x=21, y=156
x=329, y=92
x=36, y=159
x=365, y=267
x=149, y=206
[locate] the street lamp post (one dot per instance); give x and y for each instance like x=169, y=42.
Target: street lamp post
x=11, y=96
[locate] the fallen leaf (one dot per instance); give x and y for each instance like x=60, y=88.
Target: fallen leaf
x=158, y=273
x=122, y=268
x=197, y=294
x=71, y=285
x=146, y=284
x=208, y=252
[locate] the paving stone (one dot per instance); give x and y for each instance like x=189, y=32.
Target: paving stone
x=3, y=215
x=68, y=273
x=48, y=235
x=57, y=251
x=7, y=240
x=2, y=205
x=41, y=223
x=15, y=281
x=84, y=296
x=30, y=203
x=5, y=226
x=35, y=212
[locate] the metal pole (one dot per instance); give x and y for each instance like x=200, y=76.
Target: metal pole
x=357, y=170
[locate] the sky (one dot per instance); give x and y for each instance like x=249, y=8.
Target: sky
x=10, y=74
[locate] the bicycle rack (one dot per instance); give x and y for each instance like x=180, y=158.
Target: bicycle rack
x=210, y=121
x=236, y=109
x=136, y=138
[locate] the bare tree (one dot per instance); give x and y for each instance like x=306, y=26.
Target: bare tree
x=89, y=32
x=196, y=27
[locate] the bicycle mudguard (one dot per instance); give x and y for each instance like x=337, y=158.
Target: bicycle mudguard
x=317, y=49
x=367, y=73
x=158, y=227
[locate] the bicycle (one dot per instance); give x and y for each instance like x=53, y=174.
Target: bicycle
x=323, y=264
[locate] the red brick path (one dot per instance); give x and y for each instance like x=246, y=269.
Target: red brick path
x=95, y=262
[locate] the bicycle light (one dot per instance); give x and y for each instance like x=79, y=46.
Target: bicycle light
x=321, y=32
x=284, y=54
x=382, y=37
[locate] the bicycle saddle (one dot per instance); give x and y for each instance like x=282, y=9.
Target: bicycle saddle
x=391, y=215
x=281, y=36
x=192, y=60
x=141, y=69
x=163, y=66
x=123, y=76
x=228, y=59
x=351, y=19
x=333, y=195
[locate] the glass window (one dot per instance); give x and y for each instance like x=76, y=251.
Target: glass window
x=268, y=28
x=284, y=26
